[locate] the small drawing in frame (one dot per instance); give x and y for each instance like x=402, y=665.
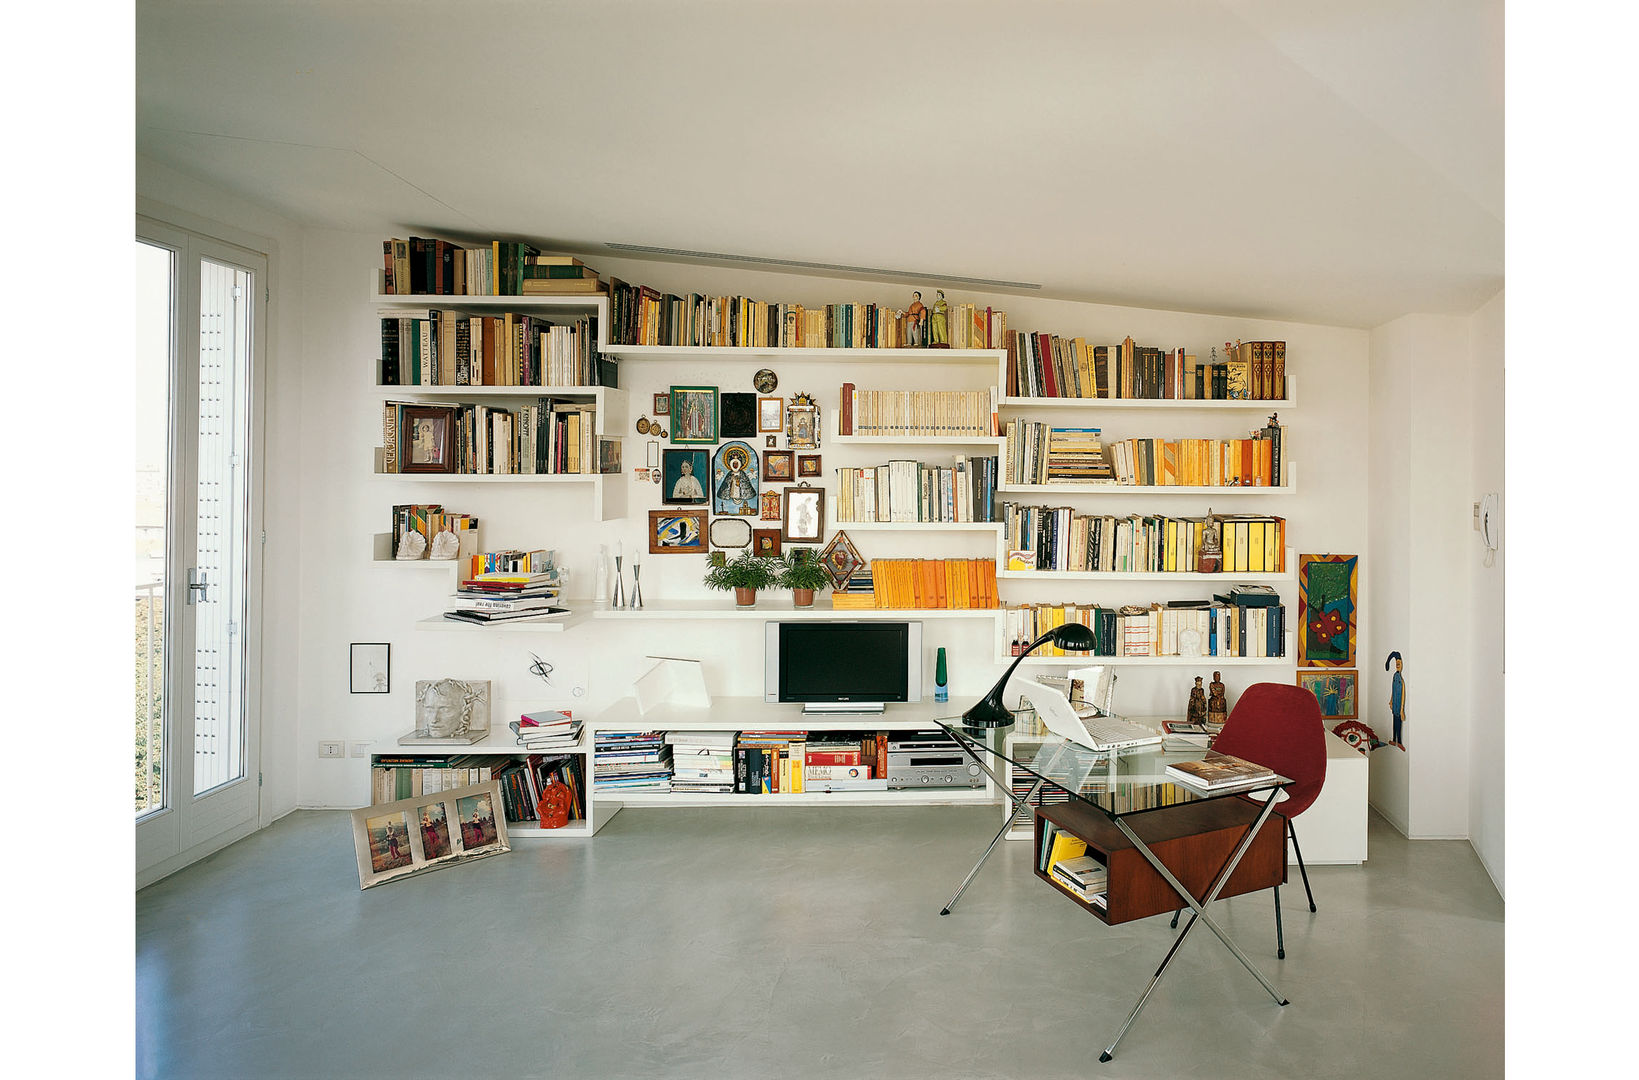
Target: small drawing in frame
x=677, y=532
x=428, y=832
x=427, y=434
x=662, y=404
x=770, y=441
x=772, y=506
x=1337, y=690
x=694, y=414
x=371, y=664
x=804, y=519
x=739, y=416
x=682, y=481
x=802, y=427
x=765, y=542
x=771, y=414
x=808, y=464
x=777, y=465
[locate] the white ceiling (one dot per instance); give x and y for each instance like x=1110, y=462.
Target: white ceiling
x=1335, y=161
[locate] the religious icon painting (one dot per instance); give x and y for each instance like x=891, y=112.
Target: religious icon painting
x=734, y=480
x=771, y=506
x=840, y=559
x=777, y=465
x=694, y=414
x=808, y=464
x=1327, y=587
x=802, y=423
x=662, y=404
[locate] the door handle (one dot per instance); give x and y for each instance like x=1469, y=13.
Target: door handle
x=201, y=585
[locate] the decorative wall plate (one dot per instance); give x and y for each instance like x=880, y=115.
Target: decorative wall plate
x=765, y=381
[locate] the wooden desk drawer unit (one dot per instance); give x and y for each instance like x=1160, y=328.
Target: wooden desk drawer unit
x=1193, y=840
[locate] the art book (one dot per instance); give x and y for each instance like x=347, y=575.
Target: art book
x=1217, y=770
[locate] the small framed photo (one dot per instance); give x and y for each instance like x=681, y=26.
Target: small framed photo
x=371, y=665
x=694, y=414
x=770, y=441
x=677, y=532
x=802, y=427
x=1337, y=690
x=683, y=477
x=427, y=439
x=804, y=518
x=840, y=559
x=777, y=465
x=429, y=832
x=765, y=542
x=662, y=404
x=808, y=464
x=739, y=420
x=771, y=414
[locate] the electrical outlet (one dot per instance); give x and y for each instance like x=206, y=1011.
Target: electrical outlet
x=330, y=748
x=361, y=749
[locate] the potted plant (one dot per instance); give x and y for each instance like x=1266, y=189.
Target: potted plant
x=745, y=574
x=802, y=573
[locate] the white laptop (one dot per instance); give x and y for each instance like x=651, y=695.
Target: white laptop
x=1086, y=726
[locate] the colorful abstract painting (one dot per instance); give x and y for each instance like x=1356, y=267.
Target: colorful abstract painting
x=1327, y=589
x=1337, y=692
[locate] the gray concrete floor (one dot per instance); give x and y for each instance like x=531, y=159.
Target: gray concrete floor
x=800, y=942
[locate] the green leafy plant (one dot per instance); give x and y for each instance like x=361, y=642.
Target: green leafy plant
x=744, y=571
x=800, y=568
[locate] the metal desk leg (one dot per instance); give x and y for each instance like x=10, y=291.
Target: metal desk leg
x=1018, y=805
x=1200, y=915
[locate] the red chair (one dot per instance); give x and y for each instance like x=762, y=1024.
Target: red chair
x=1279, y=725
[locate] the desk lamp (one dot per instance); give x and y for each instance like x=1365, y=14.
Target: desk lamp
x=989, y=711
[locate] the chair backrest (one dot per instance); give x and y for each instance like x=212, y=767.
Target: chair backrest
x=1279, y=725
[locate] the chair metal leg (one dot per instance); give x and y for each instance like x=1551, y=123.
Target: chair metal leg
x=1280, y=937
x=1291, y=831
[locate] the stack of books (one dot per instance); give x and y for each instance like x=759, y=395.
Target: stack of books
x=506, y=597
x=1216, y=771
x=631, y=761
x=859, y=591
x=770, y=762
x=702, y=760
x=550, y=729
x=1084, y=876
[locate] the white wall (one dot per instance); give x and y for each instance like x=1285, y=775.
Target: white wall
x=342, y=598
x=181, y=200
x=1488, y=623
x=1419, y=596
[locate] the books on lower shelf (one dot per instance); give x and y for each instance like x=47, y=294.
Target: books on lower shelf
x=1048, y=365
x=1207, y=629
x=917, y=413
x=444, y=347
x=1037, y=453
x=545, y=437
x=1256, y=461
x=1059, y=538
x=904, y=490
x=631, y=761
x=1066, y=860
x=934, y=583
x=1216, y=771
x=404, y=776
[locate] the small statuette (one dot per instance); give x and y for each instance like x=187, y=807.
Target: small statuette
x=411, y=546
x=445, y=545
x=1197, y=704
x=1217, y=710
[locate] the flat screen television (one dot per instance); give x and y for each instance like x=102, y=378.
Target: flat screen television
x=842, y=665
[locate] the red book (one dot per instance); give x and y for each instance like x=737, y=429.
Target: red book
x=1049, y=383
x=835, y=757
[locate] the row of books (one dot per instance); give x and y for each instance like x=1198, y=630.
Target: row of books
x=1257, y=461
x=1059, y=538
x=1203, y=628
x=522, y=782
x=425, y=266
x=405, y=776
x=444, y=347
x=905, y=490
x=917, y=413
x=1047, y=365
x=934, y=583
x=541, y=437
x=430, y=519
x=741, y=762
x=634, y=761
x=646, y=316
x=1038, y=453
x=1065, y=859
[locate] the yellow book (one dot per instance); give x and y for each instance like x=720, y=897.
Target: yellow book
x=1254, y=547
x=1065, y=846
x=1274, y=554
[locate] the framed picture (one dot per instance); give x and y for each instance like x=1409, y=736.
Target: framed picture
x=694, y=414
x=739, y=416
x=765, y=381
x=1337, y=690
x=662, y=404
x=808, y=464
x=682, y=479
x=802, y=427
x=804, y=518
x=765, y=542
x=771, y=506
x=734, y=480
x=777, y=465
x=840, y=559
x=449, y=712
x=429, y=832
x=427, y=439
x=677, y=532
x=1327, y=587
x=730, y=532
x=371, y=665
x=770, y=414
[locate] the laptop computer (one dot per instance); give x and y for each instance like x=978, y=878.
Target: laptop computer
x=1085, y=726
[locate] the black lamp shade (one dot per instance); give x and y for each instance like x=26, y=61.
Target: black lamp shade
x=989, y=710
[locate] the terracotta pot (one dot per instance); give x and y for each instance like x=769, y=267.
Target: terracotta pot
x=745, y=597
x=802, y=597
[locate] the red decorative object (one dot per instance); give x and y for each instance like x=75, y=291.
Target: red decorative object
x=556, y=799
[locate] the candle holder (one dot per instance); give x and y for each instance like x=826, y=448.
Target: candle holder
x=620, y=596
x=637, y=586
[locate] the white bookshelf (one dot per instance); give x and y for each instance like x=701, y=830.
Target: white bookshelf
x=777, y=605
x=786, y=353
x=1022, y=403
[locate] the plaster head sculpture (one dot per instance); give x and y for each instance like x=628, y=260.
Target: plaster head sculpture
x=449, y=707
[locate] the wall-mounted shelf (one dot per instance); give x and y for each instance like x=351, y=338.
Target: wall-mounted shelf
x=1236, y=491
x=992, y=442
x=608, y=489
x=780, y=607
x=1150, y=576
x=577, y=614
x=861, y=356
x=1289, y=660
x=570, y=305
x=1287, y=402
x=915, y=526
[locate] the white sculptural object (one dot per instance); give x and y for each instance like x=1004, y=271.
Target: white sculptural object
x=412, y=545
x=445, y=545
